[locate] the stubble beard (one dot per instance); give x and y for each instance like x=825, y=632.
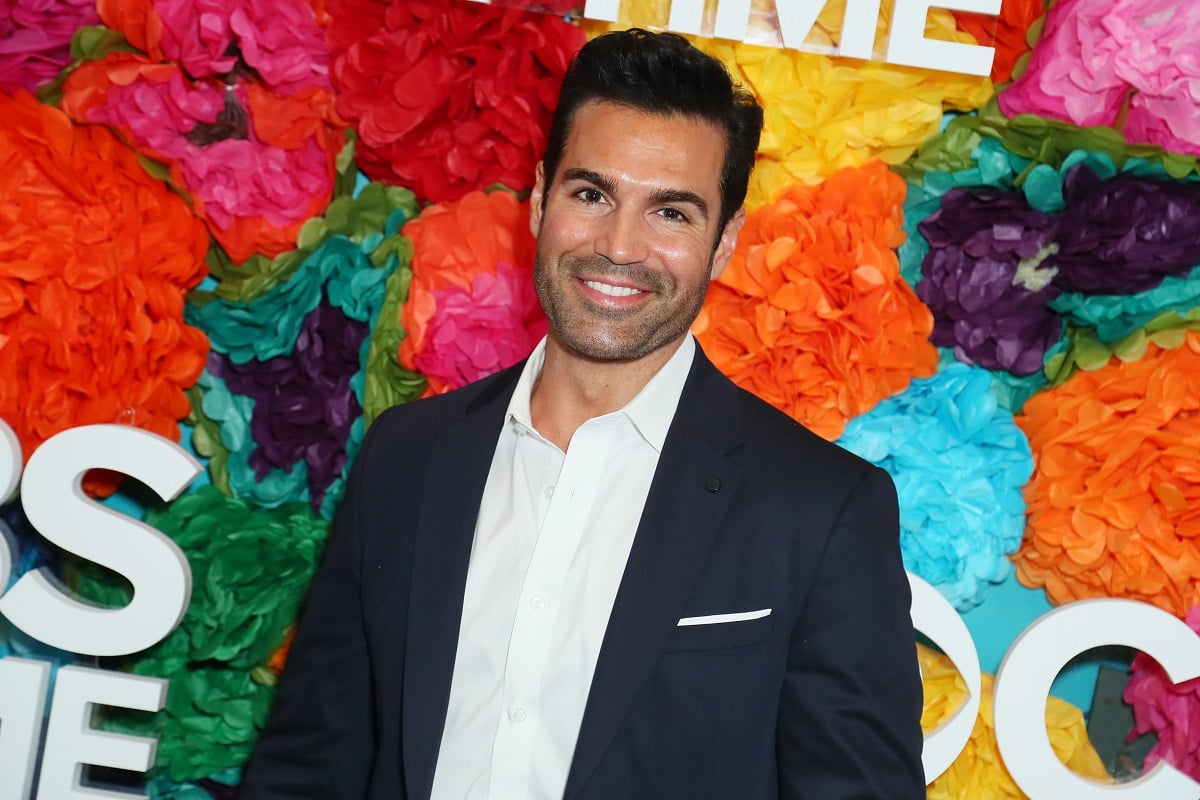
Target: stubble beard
x=601, y=333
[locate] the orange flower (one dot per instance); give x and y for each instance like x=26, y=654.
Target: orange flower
x=95, y=259
x=812, y=314
x=1114, y=503
x=453, y=243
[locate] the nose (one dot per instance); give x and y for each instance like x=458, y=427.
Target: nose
x=623, y=237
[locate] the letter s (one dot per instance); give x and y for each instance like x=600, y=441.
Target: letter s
x=57, y=506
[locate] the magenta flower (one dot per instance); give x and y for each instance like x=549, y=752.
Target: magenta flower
x=256, y=185
x=473, y=334
x=279, y=41
x=35, y=39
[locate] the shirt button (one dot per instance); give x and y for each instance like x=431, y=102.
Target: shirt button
x=537, y=602
x=549, y=492
x=519, y=715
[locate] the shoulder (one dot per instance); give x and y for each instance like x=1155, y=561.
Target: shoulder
x=423, y=419
x=398, y=444
x=776, y=448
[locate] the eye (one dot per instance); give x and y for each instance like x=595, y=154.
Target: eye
x=590, y=194
x=672, y=214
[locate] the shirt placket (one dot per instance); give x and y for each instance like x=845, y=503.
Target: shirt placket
x=538, y=608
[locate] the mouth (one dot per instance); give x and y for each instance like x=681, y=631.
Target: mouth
x=612, y=290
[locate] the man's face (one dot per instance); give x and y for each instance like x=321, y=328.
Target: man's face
x=628, y=239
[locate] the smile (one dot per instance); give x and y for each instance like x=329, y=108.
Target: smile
x=612, y=291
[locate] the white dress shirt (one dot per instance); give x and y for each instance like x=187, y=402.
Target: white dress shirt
x=551, y=541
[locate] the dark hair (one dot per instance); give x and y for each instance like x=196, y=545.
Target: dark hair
x=662, y=73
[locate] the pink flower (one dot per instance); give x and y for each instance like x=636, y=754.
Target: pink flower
x=1097, y=55
x=1072, y=73
x=255, y=191
x=1160, y=58
x=1171, y=711
x=35, y=39
x=473, y=334
x=278, y=41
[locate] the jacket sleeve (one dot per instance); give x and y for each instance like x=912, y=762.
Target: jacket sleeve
x=849, y=718
x=319, y=741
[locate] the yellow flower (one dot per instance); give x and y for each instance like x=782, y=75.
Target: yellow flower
x=978, y=773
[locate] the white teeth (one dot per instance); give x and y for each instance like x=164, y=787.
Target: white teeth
x=610, y=290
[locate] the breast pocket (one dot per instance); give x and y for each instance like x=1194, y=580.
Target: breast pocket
x=721, y=631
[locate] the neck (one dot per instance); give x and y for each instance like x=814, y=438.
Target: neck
x=572, y=389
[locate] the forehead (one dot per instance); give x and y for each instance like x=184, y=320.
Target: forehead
x=659, y=150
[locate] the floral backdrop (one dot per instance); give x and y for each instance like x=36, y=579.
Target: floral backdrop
x=255, y=225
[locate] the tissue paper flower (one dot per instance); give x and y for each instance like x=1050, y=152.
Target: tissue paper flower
x=476, y=332
x=249, y=573
x=257, y=164
x=95, y=259
x=1125, y=234
x=978, y=773
x=811, y=313
x=986, y=282
x=1114, y=507
x=284, y=385
x=35, y=39
x=823, y=114
x=1168, y=710
x=1099, y=60
x=280, y=43
x=304, y=405
x=472, y=278
x=1008, y=34
x=448, y=98
x=959, y=463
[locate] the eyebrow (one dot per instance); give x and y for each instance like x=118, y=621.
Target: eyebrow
x=664, y=196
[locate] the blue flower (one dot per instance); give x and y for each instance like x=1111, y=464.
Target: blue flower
x=959, y=463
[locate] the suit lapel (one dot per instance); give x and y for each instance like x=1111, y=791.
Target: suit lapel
x=458, y=470
x=683, y=512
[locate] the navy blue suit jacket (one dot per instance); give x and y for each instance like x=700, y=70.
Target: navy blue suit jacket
x=821, y=699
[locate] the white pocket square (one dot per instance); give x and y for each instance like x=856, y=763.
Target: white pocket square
x=716, y=619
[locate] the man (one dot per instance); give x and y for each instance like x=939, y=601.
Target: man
x=608, y=573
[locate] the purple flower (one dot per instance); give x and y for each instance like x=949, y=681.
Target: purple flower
x=986, y=280
x=1126, y=234
x=304, y=405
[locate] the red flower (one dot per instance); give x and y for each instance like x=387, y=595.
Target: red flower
x=448, y=97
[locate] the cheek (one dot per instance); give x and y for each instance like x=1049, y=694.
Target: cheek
x=561, y=233
x=687, y=261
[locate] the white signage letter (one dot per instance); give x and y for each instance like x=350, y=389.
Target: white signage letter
x=858, y=29
x=1036, y=657
x=71, y=742
x=908, y=46
x=10, y=465
x=22, y=703
x=933, y=616
x=796, y=20
x=733, y=19
x=602, y=10
x=687, y=16
x=57, y=506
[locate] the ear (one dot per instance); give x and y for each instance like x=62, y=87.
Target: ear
x=727, y=243
x=536, y=197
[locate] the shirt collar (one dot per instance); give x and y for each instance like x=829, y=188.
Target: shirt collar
x=650, y=411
